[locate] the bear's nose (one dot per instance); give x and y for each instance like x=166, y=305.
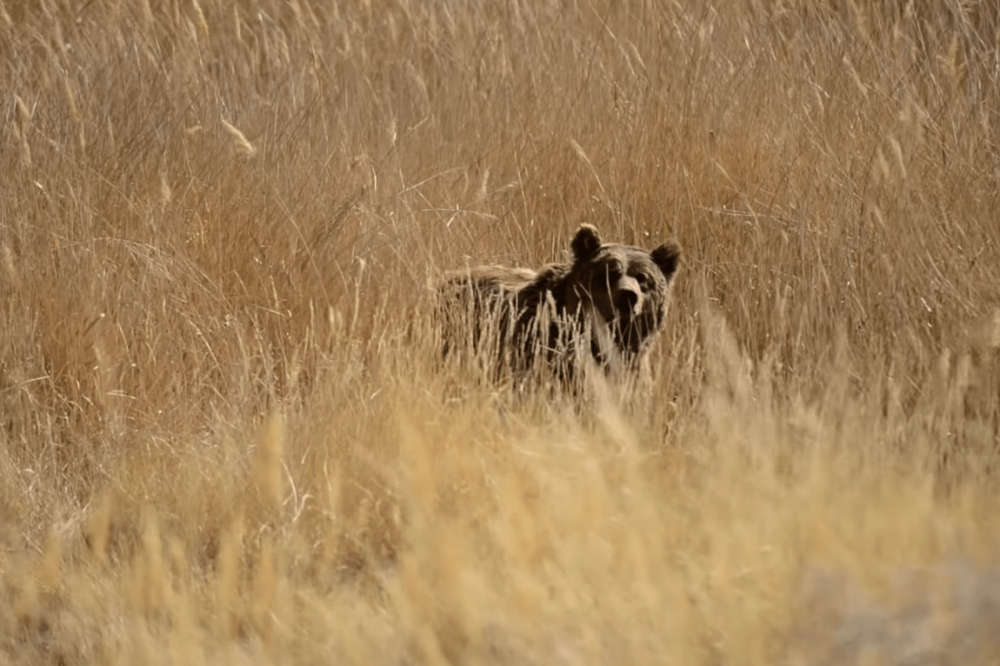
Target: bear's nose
x=629, y=301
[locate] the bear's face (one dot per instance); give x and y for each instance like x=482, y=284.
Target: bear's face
x=627, y=288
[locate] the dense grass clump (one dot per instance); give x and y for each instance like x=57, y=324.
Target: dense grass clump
x=225, y=433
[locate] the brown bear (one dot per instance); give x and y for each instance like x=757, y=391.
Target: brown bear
x=604, y=306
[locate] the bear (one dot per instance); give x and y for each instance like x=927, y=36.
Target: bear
x=602, y=308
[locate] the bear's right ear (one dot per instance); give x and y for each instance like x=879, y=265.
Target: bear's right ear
x=586, y=243
x=667, y=257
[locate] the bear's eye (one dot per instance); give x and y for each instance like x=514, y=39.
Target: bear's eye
x=642, y=279
x=614, y=275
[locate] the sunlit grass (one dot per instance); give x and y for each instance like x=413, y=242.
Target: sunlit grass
x=226, y=433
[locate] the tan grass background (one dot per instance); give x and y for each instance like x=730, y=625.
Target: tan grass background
x=222, y=437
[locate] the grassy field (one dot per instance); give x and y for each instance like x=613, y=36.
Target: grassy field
x=223, y=434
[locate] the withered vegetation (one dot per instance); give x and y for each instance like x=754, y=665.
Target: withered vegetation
x=224, y=435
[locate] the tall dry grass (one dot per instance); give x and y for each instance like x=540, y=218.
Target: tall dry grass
x=222, y=434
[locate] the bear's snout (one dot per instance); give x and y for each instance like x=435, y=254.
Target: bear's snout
x=629, y=297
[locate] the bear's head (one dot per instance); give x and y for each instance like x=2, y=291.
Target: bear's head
x=627, y=288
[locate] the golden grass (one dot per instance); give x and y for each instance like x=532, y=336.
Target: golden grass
x=222, y=434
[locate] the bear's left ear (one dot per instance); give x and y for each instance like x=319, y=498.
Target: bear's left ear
x=667, y=257
x=586, y=243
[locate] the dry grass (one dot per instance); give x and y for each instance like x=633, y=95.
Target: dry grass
x=222, y=437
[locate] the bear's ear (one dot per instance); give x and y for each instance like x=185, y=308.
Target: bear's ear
x=586, y=243
x=667, y=257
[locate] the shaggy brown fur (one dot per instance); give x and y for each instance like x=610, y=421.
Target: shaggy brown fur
x=609, y=302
